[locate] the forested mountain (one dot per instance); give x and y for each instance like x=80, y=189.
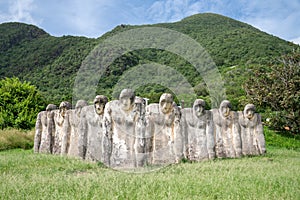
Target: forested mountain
x=51, y=62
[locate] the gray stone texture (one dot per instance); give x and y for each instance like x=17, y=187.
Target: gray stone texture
x=227, y=131
x=45, y=129
x=59, y=119
x=120, y=118
x=199, y=132
x=253, y=141
x=91, y=130
x=127, y=133
x=70, y=130
x=164, y=129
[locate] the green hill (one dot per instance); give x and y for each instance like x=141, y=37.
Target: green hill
x=51, y=63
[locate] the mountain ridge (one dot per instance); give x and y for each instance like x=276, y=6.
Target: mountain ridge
x=51, y=63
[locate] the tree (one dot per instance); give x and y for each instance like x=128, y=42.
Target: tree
x=278, y=88
x=19, y=104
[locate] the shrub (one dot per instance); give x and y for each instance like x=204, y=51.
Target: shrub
x=20, y=104
x=278, y=88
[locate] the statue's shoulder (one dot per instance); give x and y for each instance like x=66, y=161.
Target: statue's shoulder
x=187, y=113
x=152, y=108
x=87, y=111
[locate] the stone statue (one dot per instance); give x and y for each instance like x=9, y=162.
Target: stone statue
x=59, y=118
x=119, y=131
x=91, y=130
x=253, y=140
x=141, y=139
x=70, y=132
x=128, y=133
x=227, y=131
x=164, y=123
x=199, y=132
x=44, y=129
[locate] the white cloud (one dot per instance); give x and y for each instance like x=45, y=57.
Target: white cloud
x=89, y=18
x=280, y=18
x=170, y=10
x=19, y=11
x=174, y=10
x=94, y=17
x=276, y=17
x=296, y=40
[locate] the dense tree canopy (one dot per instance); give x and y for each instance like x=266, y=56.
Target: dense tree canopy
x=20, y=104
x=51, y=64
x=277, y=89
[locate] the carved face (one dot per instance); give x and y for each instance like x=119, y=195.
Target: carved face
x=225, y=108
x=62, y=111
x=139, y=104
x=166, y=103
x=249, y=111
x=99, y=104
x=126, y=99
x=63, y=107
x=199, y=107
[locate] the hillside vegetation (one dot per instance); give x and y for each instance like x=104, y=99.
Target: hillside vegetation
x=51, y=63
x=237, y=49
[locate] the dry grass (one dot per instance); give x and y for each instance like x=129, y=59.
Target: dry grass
x=13, y=138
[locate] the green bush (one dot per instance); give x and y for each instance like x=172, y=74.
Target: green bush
x=20, y=104
x=278, y=88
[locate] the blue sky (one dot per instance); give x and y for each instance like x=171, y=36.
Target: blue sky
x=92, y=18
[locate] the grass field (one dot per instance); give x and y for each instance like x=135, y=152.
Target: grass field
x=25, y=175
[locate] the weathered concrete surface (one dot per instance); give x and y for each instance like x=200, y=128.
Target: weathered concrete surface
x=91, y=130
x=199, y=132
x=164, y=126
x=127, y=134
x=227, y=132
x=70, y=130
x=59, y=119
x=45, y=129
x=119, y=131
x=253, y=140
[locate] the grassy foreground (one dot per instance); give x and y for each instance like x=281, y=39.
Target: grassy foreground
x=25, y=175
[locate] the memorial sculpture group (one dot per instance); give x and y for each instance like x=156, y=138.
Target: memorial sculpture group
x=127, y=133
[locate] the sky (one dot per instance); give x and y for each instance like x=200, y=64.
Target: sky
x=92, y=18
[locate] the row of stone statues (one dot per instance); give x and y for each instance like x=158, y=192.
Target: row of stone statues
x=127, y=133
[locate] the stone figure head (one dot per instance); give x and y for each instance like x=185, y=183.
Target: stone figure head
x=63, y=107
x=50, y=107
x=140, y=104
x=166, y=103
x=99, y=104
x=249, y=111
x=225, y=108
x=126, y=99
x=198, y=107
x=79, y=105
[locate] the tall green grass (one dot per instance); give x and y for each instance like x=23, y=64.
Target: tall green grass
x=25, y=175
x=13, y=138
x=282, y=140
